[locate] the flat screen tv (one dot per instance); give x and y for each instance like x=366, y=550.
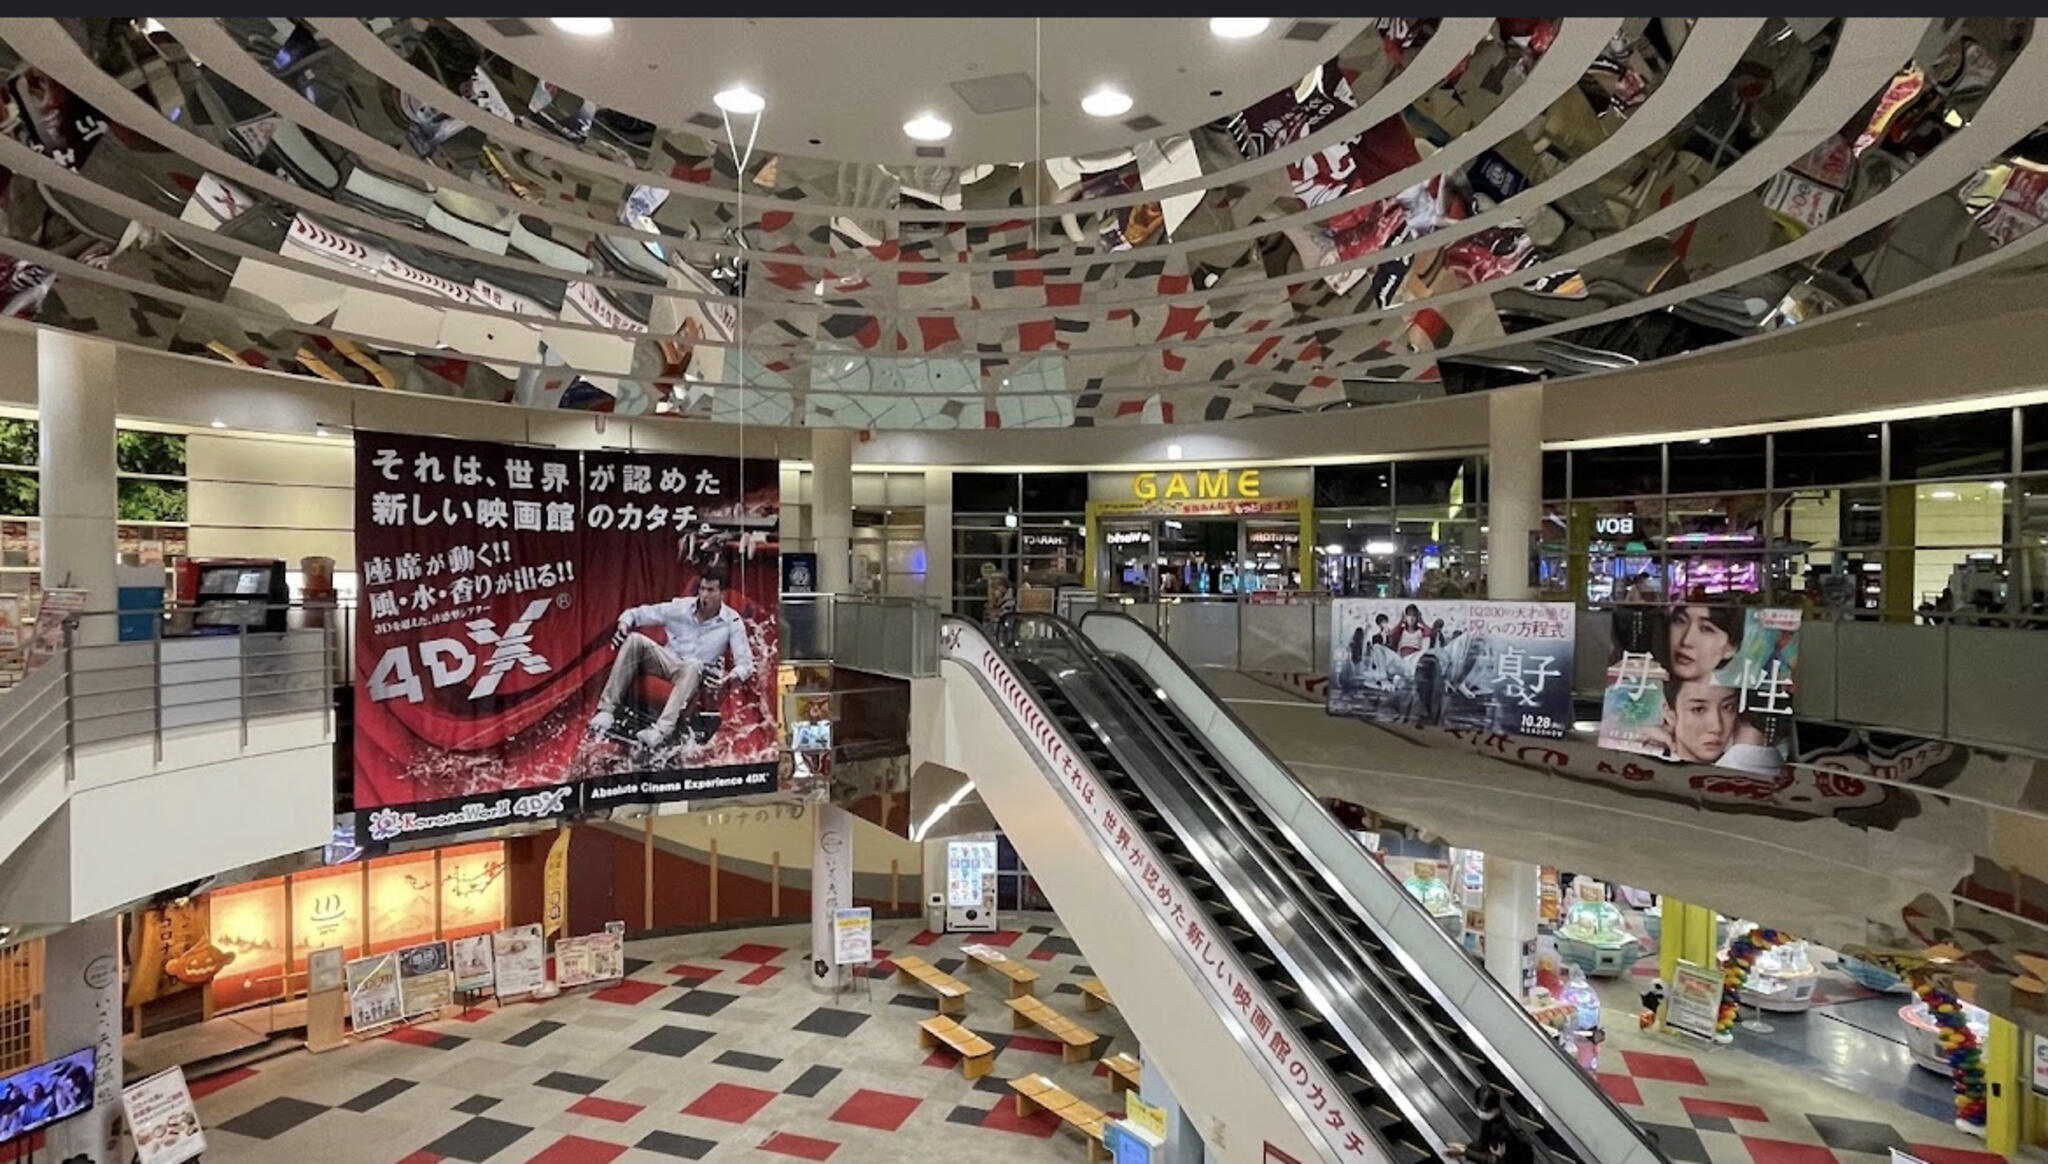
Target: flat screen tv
x=36, y=1097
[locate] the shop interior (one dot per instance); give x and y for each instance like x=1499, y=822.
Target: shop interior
x=1147, y=558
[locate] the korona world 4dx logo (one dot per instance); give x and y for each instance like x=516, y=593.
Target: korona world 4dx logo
x=449, y=661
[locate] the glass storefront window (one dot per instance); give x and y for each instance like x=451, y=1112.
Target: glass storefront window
x=1050, y=494
x=1624, y=471
x=1812, y=457
x=1343, y=486
x=2027, y=564
x=1436, y=489
x=1052, y=555
x=2034, y=438
x=1555, y=475
x=1964, y=444
x=1356, y=553
x=1717, y=464
x=1131, y=558
x=986, y=492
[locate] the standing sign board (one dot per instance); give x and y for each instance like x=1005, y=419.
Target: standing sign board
x=519, y=959
x=373, y=999
x=424, y=981
x=853, y=936
x=1694, y=1002
x=162, y=1119
x=473, y=963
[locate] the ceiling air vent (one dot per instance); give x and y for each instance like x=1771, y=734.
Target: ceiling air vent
x=1310, y=30
x=704, y=121
x=998, y=94
x=510, y=27
x=1142, y=123
x=931, y=151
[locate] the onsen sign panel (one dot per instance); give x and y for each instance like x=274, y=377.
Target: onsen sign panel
x=544, y=631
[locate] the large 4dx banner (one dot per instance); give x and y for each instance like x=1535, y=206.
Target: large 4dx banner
x=542, y=631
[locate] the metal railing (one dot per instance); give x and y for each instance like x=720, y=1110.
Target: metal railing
x=897, y=636
x=127, y=675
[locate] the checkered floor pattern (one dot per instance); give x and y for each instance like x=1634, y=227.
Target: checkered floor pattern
x=714, y=1047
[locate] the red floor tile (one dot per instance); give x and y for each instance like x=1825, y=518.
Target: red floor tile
x=942, y=1058
x=421, y=1157
x=1034, y=1043
x=802, y=1147
x=1697, y=1105
x=1786, y=1152
x=417, y=1036
x=729, y=1102
x=1000, y=938
x=1003, y=1118
x=631, y=992
x=924, y=939
x=884, y=968
x=1041, y=954
x=475, y=1014
x=606, y=1109
x=213, y=1083
x=875, y=1109
x=759, y=974
x=1621, y=1089
x=686, y=970
x=1664, y=1068
x=1935, y=1154
x=578, y=1150
x=755, y=952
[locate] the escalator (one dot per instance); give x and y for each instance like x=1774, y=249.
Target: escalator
x=1487, y=1036
x=1404, y=1140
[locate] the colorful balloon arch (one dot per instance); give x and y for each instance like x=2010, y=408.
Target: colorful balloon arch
x=1735, y=967
x=1959, y=1049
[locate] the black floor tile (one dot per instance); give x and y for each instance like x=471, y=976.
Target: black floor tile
x=477, y=1104
x=830, y=1021
x=533, y=1034
x=671, y=1144
x=745, y=1061
x=1066, y=988
x=636, y=965
x=913, y=1001
x=949, y=965
x=1712, y=1123
x=675, y=1042
x=476, y=1140
x=812, y=1081
x=378, y=1094
x=1037, y=929
x=574, y=1084
x=971, y=1116
x=1083, y=970
x=1058, y=945
x=992, y=1084
x=702, y=1003
x=1849, y=1135
x=273, y=1118
x=448, y=1042
x=1679, y=1144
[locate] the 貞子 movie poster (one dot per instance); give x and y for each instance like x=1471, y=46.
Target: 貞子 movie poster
x=544, y=630
x=1489, y=666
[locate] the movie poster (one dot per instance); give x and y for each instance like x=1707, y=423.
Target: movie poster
x=1488, y=666
x=1703, y=684
x=545, y=630
x=373, y=997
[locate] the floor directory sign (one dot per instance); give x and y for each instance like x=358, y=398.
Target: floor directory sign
x=970, y=884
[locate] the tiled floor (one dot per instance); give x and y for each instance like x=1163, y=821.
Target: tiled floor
x=714, y=1048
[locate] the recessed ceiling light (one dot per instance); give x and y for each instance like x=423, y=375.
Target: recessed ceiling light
x=590, y=25
x=1239, y=27
x=1106, y=102
x=739, y=99
x=1173, y=452
x=928, y=127
x=220, y=424
x=1943, y=495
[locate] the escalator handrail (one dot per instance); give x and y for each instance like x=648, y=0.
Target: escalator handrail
x=1358, y=1030
x=1332, y=929
x=1305, y=1119
x=1524, y=1025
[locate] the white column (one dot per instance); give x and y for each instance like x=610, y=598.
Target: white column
x=1511, y=906
x=1514, y=498
x=831, y=886
x=938, y=537
x=82, y=1008
x=832, y=506
x=75, y=394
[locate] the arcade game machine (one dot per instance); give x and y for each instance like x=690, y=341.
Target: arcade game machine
x=1593, y=937
x=1782, y=979
x=1436, y=897
x=1923, y=1038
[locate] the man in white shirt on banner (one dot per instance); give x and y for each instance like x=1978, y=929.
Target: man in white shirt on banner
x=699, y=632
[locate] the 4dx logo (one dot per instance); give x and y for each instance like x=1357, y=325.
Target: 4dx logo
x=451, y=661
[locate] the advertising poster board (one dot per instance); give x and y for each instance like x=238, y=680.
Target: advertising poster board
x=546, y=630
x=1703, y=684
x=472, y=962
x=161, y=1117
x=373, y=999
x=425, y=983
x=575, y=962
x=325, y=970
x=853, y=936
x=519, y=959
x=1693, y=1004
x=608, y=953
x=1489, y=666
x=58, y=607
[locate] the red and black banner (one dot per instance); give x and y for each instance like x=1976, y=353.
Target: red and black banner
x=542, y=632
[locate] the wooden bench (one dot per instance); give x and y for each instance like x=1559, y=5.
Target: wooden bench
x=1023, y=979
x=977, y=1055
x=1036, y=1093
x=1094, y=995
x=1076, y=1040
x=1124, y=1069
x=951, y=991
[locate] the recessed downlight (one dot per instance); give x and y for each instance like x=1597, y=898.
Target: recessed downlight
x=582, y=25
x=1106, y=102
x=220, y=424
x=928, y=127
x=1239, y=27
x=739, y=100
